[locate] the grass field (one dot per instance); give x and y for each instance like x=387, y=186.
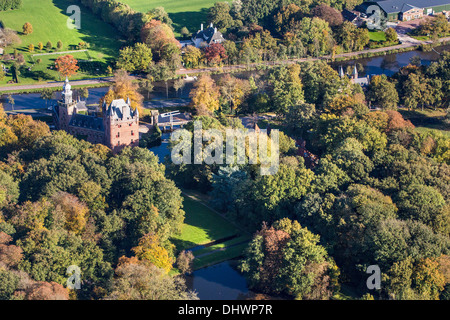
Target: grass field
x=189, y=14
x=49, y=21
x=201, y=226
x=377, y=36
x=427, y=120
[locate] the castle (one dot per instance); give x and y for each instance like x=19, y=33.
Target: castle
x=117, y=128
x=363, y=81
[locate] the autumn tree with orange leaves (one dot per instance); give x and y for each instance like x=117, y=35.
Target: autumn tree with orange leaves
x=67, y=65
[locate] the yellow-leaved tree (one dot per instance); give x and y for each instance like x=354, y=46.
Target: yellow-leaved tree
x=150, y=250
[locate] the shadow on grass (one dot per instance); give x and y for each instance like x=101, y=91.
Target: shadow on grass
x=190, y=20
x=102, y=37
x=420, y=119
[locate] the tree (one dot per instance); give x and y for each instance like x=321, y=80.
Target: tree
x=178, y=85
x=124, y=88
x=9, y=281
x=205, y=94
x=382, y=92
x=233, y=90
x=84, y=93
x=150, y=250
x=67, y=65
x=59, y=45
x=428, y=279
x=11, y=101
x=159, y=13
x=219, y=15
x=329, y=14
x=10, y=37
x=185, y=261
x=31, y=48
x=424, y=204
x=287, y=88
x=49, y=46
x=185, y=32
x=287, y=20
x=27, y=28
x=391, y=35
x=137, y=58
x=159, y=38
x=40, y=46
x=162, y=71
x=275, y=252
x=75, y=212
x=47, y=94
x=137, y=281
x=148, y=85
x=215, y=54
x=192, y=57
x=316, y=36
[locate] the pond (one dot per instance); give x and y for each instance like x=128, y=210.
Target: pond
x=391, y=63
x=219, y=282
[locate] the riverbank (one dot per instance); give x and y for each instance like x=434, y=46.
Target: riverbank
x=106, y=81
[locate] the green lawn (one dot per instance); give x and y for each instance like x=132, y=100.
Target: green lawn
x=183, y=13
x=427, y=120
x=377, y=36
x=201, y=226
x=49, y=21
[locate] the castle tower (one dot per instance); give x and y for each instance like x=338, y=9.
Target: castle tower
x=121, y=125
x=355, y=73
x=341, y=72
x=66, y=106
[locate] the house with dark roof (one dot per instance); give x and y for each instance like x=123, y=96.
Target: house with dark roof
x=206, y=37
x=117, y=128
x=404, y=10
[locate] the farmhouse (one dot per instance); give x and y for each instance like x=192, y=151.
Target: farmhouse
x=205, y=37
x=404, y=10
x=117, y=128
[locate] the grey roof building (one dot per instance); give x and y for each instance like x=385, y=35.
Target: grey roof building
x=208, y=36
x=117, y=128
x=393, y=9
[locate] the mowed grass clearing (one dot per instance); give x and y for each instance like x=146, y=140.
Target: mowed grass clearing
x=377, y=36
x=49, y=21
x=201, y=226
x=189, y=14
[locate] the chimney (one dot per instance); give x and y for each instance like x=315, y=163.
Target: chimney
x=215, y=30
x=201, y=27
x=211, y=25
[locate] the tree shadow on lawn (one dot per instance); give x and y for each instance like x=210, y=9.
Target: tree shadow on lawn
x=107, y=41
x=419, y=119
x=190, y=19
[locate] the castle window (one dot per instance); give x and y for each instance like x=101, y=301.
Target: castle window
x=118, y=143
x=132, y=133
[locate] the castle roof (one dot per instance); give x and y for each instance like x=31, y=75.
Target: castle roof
x=88, y=122
x=121, y=110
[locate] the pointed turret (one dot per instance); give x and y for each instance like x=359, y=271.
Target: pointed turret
x=341, y=72
x=355, y=73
